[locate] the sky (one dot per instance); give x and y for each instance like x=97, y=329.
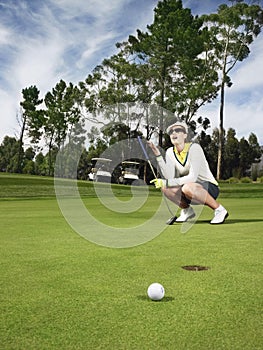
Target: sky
x=44, y=41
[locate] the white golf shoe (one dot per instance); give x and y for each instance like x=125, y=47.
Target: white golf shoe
x=220, y=214
x=186, y=214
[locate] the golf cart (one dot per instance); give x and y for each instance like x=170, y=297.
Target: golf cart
x=100, y=171
x=129, y=173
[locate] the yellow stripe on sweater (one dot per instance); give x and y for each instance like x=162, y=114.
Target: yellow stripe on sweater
x=183, y=154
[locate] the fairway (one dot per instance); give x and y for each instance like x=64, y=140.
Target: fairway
x=60, y=291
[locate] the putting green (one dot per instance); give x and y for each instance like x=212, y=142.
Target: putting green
x=60, y=291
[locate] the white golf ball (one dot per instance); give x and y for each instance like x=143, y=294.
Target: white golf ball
x=155, y=291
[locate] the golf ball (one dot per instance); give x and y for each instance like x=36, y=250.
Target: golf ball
x=155, y=291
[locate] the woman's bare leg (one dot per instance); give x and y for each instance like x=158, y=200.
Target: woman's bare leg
x=198, y=195
x=176, y=196
x=192, y=191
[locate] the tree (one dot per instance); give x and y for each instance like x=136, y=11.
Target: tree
x=115, y=132
x=234, y=29
x=231, y=155
x=97, y=144
x=83, y=165
x=9, y=150
x=210, y=147
x=61, y=114
x=110, y=91
x=255, y=149
x=256, y=152
x=28, y=161
x=41, y=164
x=168, y=66
x=173, y=54
x=70, y=153
x=245, y=158
x=118, y=73
x=237, y=157
x=32, y=119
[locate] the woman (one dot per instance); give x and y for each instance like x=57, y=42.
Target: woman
x=187, y=176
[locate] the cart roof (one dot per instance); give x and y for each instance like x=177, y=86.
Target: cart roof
x=102, y=159
x=130, y=162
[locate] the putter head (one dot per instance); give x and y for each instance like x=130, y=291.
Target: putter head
x=171, y=220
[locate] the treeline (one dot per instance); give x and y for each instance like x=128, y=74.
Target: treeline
x=180, y=63
x=238, y=155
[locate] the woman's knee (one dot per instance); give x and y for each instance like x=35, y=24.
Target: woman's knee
x=165, y=191
x=188, y=189
x=168, y=192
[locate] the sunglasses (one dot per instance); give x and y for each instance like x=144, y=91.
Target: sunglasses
x=177, y=130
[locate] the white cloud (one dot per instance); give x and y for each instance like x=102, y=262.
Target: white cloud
x=94, y=46
x=9, y=125
x=62, y=39
x=245, y=118
x=4, y=35
x=201, y=7
x=248, y=74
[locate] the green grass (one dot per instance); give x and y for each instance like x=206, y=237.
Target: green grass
x=59, y=291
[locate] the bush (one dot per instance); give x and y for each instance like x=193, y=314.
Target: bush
x=233, y=180
x=260, y=179
x=245, y=180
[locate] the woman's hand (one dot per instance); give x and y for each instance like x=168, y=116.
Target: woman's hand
x=155, y=149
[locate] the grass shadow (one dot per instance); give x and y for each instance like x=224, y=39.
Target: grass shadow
x=227, y=222
x=164, y=299
x=237, y=221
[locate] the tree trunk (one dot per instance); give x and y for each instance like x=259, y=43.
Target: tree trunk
x=221, y=132
x=20, y=151
x=161, y=124
x=161, y=119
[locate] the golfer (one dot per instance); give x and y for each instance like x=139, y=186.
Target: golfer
x=187, y=176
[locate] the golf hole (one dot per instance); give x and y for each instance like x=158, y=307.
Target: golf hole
x=195, y=268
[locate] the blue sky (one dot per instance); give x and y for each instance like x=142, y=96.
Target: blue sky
x=43, y=41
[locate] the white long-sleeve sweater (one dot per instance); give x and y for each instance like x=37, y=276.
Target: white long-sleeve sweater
x=195, y=168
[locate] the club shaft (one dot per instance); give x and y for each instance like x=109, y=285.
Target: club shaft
x=146, y=156
x=172, y=220
x=152, y=169
x=143, y=148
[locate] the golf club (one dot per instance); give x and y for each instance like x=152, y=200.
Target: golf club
x=173, y=218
